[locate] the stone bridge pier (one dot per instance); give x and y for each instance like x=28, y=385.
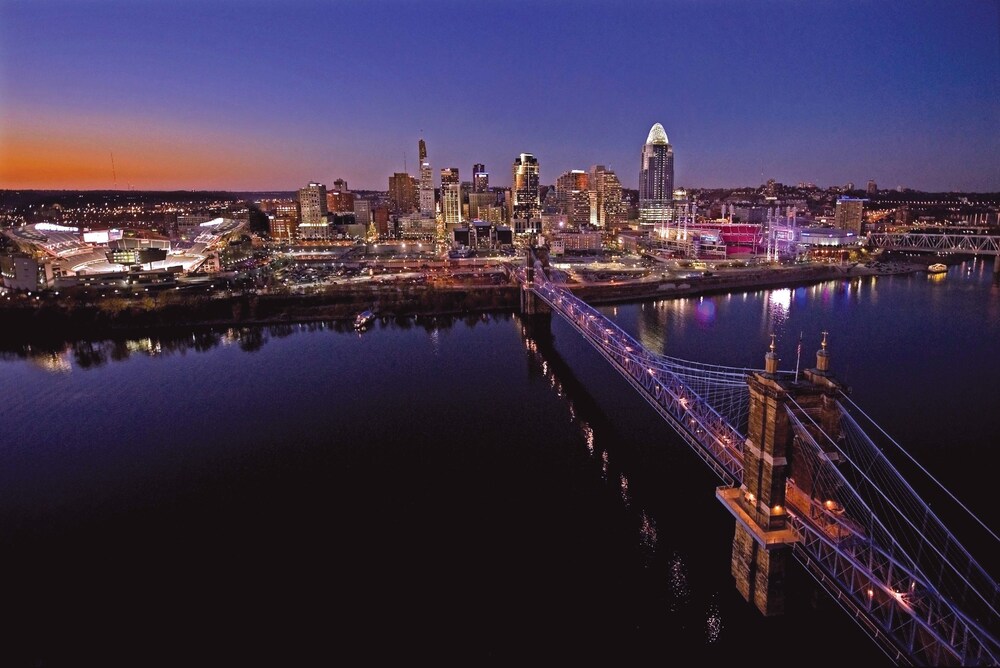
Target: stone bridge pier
x=762, y=542
x=531, y=304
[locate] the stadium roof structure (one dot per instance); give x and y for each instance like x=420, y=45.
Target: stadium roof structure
x=89, y=257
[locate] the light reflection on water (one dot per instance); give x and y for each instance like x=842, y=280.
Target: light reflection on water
x=713, y=622
x=54, y=362
x=623, y=486
x=666, y=323
x=677, y=577
x=588, y=437
x=647, y=538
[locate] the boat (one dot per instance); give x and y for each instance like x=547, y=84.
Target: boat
x=363, y=319
x=937, y=268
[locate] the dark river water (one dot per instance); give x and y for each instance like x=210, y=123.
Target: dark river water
x=460, y=490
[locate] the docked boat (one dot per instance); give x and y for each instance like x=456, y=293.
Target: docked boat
x=937, y=268
x=363, y=319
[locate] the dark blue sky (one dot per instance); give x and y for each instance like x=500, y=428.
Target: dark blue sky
x=247, y=95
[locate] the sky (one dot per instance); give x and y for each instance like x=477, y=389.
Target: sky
x=254, y=95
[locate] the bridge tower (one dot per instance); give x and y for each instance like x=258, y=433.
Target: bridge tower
x=530, y=302
x=762, y=539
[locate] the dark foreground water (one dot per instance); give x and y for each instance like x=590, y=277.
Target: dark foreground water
x=455, y=490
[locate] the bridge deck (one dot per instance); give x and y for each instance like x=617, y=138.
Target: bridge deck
x=900, y=607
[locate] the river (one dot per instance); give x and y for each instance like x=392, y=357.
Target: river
x=455, y=489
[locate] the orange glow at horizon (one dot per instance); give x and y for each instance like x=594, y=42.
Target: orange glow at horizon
x=48, y=155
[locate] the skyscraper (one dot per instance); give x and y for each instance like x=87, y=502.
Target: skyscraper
x=426, y=182
x=872, y=187
x=848, y=214
x=340, y=199
x=451, y=196
x=526, y=204
x=402, y=193
x=480, y=178
x=573, y=195
x=312, y=212
x=606, y=208
x=656, y=178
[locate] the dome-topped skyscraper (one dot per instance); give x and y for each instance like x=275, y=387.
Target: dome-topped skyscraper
x=656, y=177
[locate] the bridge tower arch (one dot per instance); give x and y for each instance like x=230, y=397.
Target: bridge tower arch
x=531, y=304
x=762, y=538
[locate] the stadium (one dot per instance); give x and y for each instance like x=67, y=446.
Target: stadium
x=60, y=256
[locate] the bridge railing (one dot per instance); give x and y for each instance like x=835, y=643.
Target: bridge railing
x=866, y=556
x=703, y=428
x=844, y=541
x=952, y=243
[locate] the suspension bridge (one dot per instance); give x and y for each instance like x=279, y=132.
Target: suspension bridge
x=804, y=480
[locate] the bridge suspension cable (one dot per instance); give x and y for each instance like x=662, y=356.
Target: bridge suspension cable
x=923, y=470
x=899, y=541
x=864, y=532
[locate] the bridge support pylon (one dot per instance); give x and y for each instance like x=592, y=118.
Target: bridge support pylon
x=996, y=270
x=762, y=539
x=530, y=302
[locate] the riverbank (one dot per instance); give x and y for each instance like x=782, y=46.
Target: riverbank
x=71, y=319
x=728, y=280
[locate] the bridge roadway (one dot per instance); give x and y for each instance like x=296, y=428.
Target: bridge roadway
x=966, y=244
x=943, y=244
x=896, y=605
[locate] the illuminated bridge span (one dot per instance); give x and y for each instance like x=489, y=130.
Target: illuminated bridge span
x=941, y=244
x=803, y=477
x=981, y=244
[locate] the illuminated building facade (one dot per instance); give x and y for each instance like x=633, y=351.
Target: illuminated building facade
x=526, y=204
x=606, y=207
x=451, y=196
x=656, y=178
x=480, y=179
x=848, y=214
x=312, y=204
x=426, y=199
x=573, y=196
x=402, y=193
x=312, y=212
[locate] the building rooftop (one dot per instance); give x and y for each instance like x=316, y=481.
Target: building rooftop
x=657, y=135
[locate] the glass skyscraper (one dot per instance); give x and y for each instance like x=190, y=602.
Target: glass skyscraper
x=656, y=178
x=524, y=189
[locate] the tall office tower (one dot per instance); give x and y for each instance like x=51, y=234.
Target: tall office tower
x=480, y=178
x=872, y=187
x=402, y=193
x=451, y=196
x=524, y=187
x=848, y=214
x=362, y=212
x=573, y=195
x=606, y=207
x=656, y=178
x=312, y=204
x=339, y=199
x=426, y=182
x=478, y=202
x=284, y=222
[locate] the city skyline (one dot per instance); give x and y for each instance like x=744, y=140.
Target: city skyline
x=219, y=97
